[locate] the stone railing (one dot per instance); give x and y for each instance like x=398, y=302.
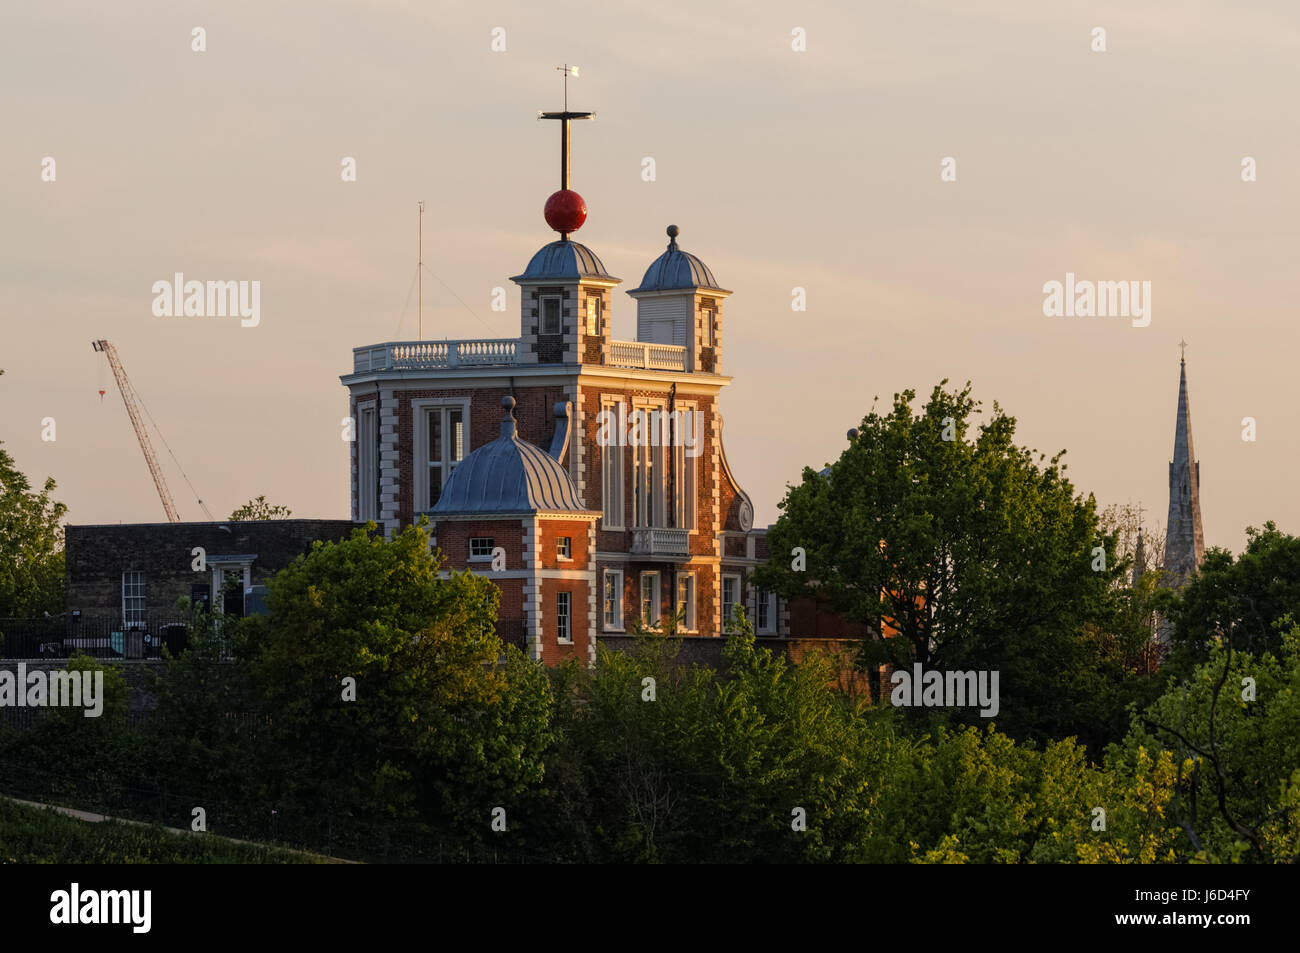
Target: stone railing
x=660, y=541
x=426, y=355
x=654, y=357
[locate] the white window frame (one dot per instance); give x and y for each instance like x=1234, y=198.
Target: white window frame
x=367, y=463
x=728, y=609
x=135, y=601
x=611, y=476
x=420, y=465
x=764, y=599
x=686, y=471
x=656, y=603
x=564, y=548
x=481, y=557
x=687, y=580
x=593, y=315
x=564, y=616
x=649, y=486
x=221, y=570
x=614, y=590
x=559, y=314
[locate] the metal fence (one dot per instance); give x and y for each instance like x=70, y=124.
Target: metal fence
x=102, y=637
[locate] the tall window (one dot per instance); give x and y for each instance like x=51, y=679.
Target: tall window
x=133, y=605
x=650, y=598
x=367, y=465
x=564, y=547
x=611, y=479
x=730, y=598
x=550, y=316
x=444, y=447
x=563, y=614
x=647, y=425
x=685, y=426
x=593, y=315
x=613, y=599
x=765, y=617
x=686, y=600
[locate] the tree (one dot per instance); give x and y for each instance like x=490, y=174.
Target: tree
x=1125, y=520
x=31, y=545
x=1247, y=599
x=970, y=551
x=386, y=690
x=1232, y=726
x=259, y=509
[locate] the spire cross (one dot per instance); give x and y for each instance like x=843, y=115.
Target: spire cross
x=565, y=117
x=1183, y=348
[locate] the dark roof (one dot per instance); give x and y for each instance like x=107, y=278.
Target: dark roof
x=566, y=261
x=676, y=269
x=509, y=475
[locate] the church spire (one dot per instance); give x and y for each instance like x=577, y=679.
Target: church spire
x=1184, y=539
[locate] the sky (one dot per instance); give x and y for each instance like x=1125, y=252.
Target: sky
x=815, y=168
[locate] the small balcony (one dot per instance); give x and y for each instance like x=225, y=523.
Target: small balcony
x=660, y=541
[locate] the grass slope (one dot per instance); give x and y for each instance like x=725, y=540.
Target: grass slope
x=30, y=835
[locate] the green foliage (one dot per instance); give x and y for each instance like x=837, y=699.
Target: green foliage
x=259, y=509
x=1239, y=777
x=976, y=551
x=31, y=545
x=1249, y=599
x=434, y=731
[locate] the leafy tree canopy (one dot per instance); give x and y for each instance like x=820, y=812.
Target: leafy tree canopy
x=31, y=545
x=259, y=509
x=971, y=551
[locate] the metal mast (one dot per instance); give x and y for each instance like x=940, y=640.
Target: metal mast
x=141, y=434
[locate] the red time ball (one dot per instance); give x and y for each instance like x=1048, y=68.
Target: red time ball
x=566, y=210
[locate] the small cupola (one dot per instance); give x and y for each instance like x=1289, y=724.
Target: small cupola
x=679, y=303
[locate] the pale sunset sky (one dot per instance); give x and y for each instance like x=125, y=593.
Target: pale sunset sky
x=817, y=169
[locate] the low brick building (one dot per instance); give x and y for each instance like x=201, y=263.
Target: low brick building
x=134, y=573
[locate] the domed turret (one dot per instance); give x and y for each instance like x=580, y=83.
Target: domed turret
x=679, y=303
x=676, y=270
x=508, y=475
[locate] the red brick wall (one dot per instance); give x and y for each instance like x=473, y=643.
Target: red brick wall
x=550, y=532
x=553, y=651
x=454, y=535
x=534, y=416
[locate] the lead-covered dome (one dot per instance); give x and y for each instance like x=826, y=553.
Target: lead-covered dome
x=677, y=270
x=564, y=260
x=508, y=475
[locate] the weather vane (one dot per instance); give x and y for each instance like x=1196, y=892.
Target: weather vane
x=1183, y=347
x=565, y=210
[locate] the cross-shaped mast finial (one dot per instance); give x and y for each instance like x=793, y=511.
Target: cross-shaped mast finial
x=565, y=117
x=1183, y=347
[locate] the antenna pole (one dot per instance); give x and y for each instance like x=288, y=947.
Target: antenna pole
x=419, y=271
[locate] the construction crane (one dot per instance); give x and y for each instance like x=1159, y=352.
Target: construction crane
x=141, y=433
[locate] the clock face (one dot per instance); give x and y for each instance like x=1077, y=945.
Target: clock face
x=746, y=516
